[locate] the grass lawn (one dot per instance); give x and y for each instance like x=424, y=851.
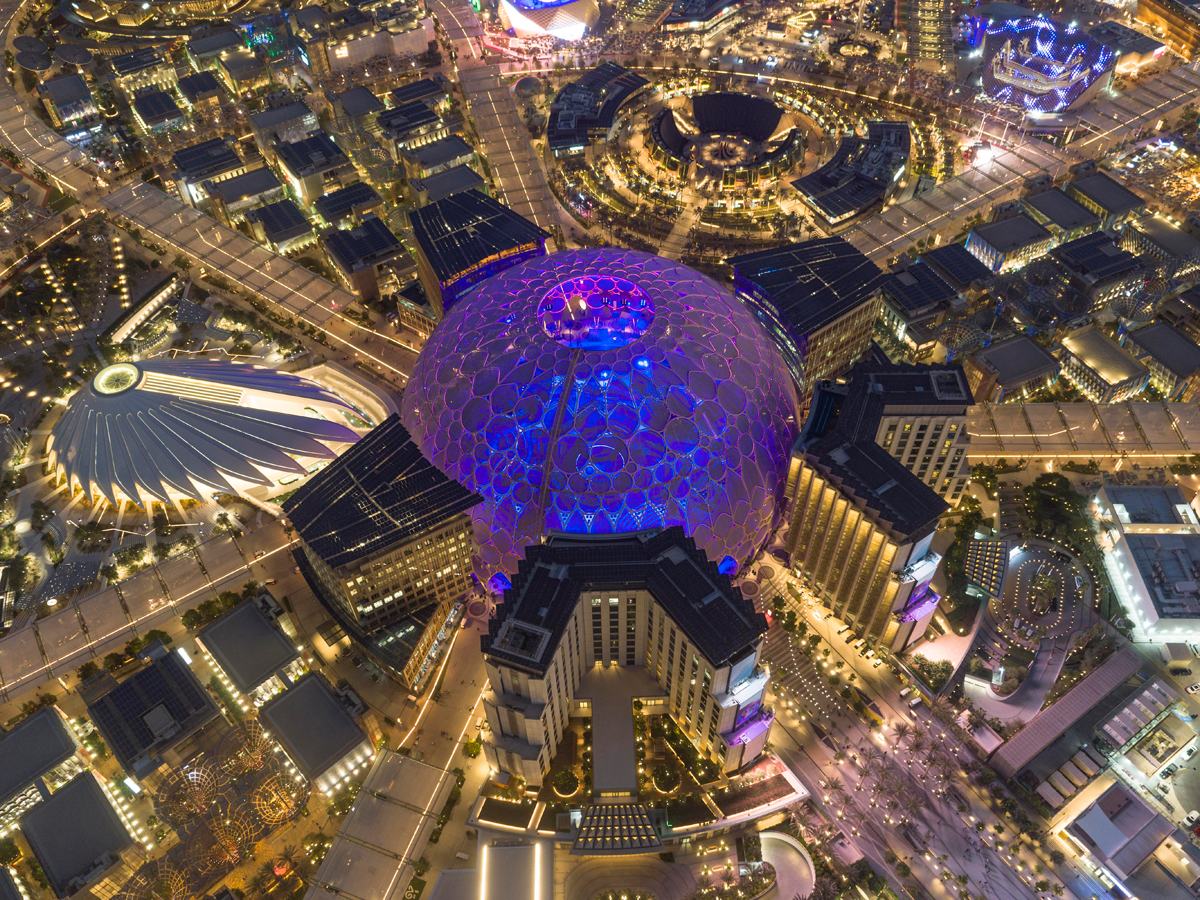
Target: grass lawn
x=415, y=888
x=58, y=201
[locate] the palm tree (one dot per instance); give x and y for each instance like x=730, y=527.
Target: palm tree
x=835, y=788
x=824, y=889
x=901, y=733
x=869, y=763
x=916, y=746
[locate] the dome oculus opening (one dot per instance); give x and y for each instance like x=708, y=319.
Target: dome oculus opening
x=595, y=312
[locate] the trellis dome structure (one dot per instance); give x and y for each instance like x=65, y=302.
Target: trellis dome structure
x=606, y=391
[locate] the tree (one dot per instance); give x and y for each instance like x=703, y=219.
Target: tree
x=1057, y=857
x=114, y=661
x=155, y=634
x=87, y=670
x=902, y=870
x=9, y=853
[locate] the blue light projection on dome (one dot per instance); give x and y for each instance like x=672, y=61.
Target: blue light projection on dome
x=1040, y=66
x=666, y=404
x=591, y=313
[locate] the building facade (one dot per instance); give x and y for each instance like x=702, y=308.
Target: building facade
x=650, y=601
x=1099, y=367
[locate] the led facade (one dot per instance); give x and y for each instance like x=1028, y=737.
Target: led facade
x=566, y=20
x=1041, y=66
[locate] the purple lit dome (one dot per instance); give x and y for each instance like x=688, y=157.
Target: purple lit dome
x=602, y=392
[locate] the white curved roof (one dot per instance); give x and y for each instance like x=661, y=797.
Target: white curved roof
x=162, y=427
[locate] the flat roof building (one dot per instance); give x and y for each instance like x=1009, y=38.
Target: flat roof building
x=251, y=652
x=1172, y=358
x=958, y=267
x=156, y=112
x=1099, y=367
x=1114, y=203
x=317, y=732
x=817, y=299
x=410, y=125
x=914, y=294
x=152, y=715
x=468, y=237
x=426, y=90
x=363, y=254
x=1010, y=243
x=76, y=835
x=141, y=71
x=446, y=184
x=285, y=123
x=1099, y=269
x=68, y=100
x=865, y=462
x=40, y=754
x=386, y=544
x=1133, y=48
x=231, y=198
x=862, y=173
x=201, y=91
x=1176, y=250
x=1154, y=537
x=429, y=159
x=209, y=161
x=205, y=49
x=1067, y=219
x=358, y=104
x=281, y=226
x=999, y=371
x=313, y=166
x=350, y=203
x=1178, y=21
x=1120, y=832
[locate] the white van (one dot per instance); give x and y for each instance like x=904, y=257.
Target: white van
x=915, y=701
x=860, y=643
x=904, y=692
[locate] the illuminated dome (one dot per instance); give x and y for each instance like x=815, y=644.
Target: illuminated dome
x=566, y=20
x=606, y=391
x=166, y=428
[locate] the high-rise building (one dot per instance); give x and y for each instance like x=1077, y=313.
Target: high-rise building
x=386, y=544
x=876, y=461
x=594, y=623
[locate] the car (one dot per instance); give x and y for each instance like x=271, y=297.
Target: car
x=1169, y=771
x=905, y=692
x=1181, y=671
x=1195, y=687
x=1196, y=831
x=1191, y=819
x=269, y=581
x=842, y=630
x=259, y=554
x=876, y=663
x=357, y=661
x=1189, y=752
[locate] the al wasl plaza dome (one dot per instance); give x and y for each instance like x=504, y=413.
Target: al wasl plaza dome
x=606, y=391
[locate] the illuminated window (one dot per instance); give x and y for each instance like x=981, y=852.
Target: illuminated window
x=342, y=52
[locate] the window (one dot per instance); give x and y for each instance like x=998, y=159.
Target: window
x=614, y=630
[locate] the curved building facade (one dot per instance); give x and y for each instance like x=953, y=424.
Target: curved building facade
x=602, y=392
x=567, y=20
x=164, y=428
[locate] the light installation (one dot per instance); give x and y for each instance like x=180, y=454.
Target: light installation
x=659, y=402
x=1041, y=66
x=567, y=20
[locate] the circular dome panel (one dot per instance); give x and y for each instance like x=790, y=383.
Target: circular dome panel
x=595, y=312
x=661, y=401
x=114, y=379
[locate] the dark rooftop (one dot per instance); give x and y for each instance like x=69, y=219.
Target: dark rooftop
x=341, y=203
x=1056, y=208
x=860, y=174
x=590, y=102
x=369, y=243
x=424, y=89
x=65, y=88
x=358, y=101
x=918, y=288
x=406, y=117
x=840, y=430
x=1176, y=353
x=447, y=183
x=1012, y=234
x=280, y=221
x=215, y=41
x=194, y=85
x=247, y=645
x=249, y=184
x=156, y=107
x=34, y=747
x=136, y=61
x=149, y=709
x=440, y=152
x=9, y=889
x=204, y=160
x=380, y=492
x=797, y=289
x=1111, y=196
x=311, y=725
x=957, y=265
x=459, y=232
x=315, y=153
x=713, y=614
x=72, y=831
x=1017, y=360
x=277, y=115
x=1170, y=239
x=1094, y=257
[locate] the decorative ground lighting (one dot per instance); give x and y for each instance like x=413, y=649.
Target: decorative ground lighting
x=246, y=749
x=194, y=792
x=277, y=800
x=158, y=880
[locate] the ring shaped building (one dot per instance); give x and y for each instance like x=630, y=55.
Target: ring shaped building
x=165, y=428
x=606, y=391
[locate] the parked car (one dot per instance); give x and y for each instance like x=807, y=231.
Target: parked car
x=1181, y=671
x=1195, y=687
x=1191, y=819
